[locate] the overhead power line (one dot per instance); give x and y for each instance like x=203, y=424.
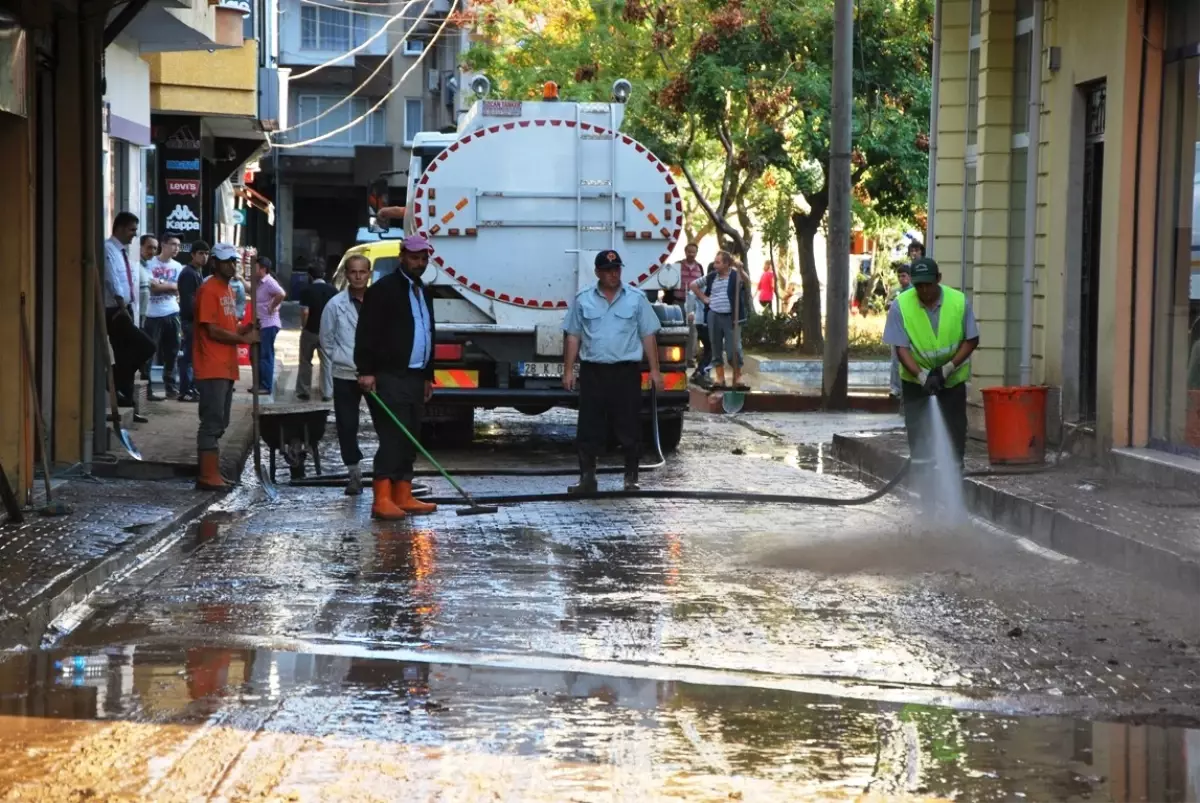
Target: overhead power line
x=382, y=30
x=385, y=62
x=395, y=87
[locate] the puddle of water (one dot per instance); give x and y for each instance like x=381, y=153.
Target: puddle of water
x=167, y=723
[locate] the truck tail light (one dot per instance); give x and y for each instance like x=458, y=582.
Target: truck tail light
x=448, y=352
x=670, y=353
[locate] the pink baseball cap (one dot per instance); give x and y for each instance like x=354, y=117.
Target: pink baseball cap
x=415, y=242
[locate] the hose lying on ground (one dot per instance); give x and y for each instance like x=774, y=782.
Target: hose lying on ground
x=334, y=480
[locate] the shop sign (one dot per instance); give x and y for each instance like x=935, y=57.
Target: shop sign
x=183, y=186
x=183, y=140
x=182, y=220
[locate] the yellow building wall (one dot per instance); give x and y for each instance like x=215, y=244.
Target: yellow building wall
x=952, y=140
x=1092, y=35
x=224, y=82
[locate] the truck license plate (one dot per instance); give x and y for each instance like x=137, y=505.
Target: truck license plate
x=541, y=370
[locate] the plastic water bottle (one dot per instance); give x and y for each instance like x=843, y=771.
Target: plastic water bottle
x=82, y=665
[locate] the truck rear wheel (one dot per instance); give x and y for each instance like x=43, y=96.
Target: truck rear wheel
x=455, y=434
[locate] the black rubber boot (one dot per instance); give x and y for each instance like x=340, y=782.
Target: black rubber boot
x=631, y=476
x=587, y=477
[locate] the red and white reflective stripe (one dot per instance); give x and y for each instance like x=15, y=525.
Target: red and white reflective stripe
x=423, y=191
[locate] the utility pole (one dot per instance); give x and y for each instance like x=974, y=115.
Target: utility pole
x=837, y=291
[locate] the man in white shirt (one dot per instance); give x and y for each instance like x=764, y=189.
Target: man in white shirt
x=162, y=318
x=121, y=279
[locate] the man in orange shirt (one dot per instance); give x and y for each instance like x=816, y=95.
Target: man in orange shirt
x=215, y=364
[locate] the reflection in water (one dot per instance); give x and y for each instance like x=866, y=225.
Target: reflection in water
x=555, y=731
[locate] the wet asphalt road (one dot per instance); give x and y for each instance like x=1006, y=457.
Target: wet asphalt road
x=609, y=650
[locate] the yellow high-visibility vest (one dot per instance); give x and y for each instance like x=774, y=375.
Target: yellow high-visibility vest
x=932, y=350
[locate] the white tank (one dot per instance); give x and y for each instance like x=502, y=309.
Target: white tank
x=520, y=204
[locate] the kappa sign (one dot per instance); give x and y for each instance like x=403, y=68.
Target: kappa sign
x=183, y=186
x=182, y=219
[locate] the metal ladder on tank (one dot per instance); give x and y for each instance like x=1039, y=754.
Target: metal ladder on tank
x=580, y=181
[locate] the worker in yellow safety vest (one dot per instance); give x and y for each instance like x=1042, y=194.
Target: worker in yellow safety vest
x=933, y=330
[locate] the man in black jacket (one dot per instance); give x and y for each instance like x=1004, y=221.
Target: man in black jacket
x=393, y=353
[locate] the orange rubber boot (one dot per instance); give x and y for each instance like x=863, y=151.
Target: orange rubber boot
x=402, y=496
x=384, y=508
x=210, y=478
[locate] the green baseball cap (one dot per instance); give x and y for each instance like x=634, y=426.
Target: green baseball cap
x=923, y=270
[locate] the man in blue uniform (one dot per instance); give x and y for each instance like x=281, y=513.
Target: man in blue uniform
x=609, y=328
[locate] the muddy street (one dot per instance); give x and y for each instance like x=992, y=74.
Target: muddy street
x=612, y=650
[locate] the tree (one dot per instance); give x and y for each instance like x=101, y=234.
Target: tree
x=728, y=91
x=891, y=89
x=697, y=126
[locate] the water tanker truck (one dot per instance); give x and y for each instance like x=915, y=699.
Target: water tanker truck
x=517, y=202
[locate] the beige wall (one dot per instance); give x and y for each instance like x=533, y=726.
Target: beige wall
x=197, y=82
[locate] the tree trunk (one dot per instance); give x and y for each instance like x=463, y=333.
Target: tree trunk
x=812, y=340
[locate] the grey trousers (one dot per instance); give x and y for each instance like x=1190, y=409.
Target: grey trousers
x=720, y=330
x=216, y=402
x=310, y=345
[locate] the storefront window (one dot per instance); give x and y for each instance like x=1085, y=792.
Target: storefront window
x=1175, y=393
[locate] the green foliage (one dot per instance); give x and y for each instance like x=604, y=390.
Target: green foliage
x=771, y=331
x=732, y=92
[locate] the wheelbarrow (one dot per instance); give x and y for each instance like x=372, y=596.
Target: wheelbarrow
x=294, y=430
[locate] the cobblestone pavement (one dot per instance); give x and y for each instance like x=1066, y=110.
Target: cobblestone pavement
x=48, y=563
x=614, y=650
x=862, y=595
x=1166, y=520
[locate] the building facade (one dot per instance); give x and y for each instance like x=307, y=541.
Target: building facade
x=1110, y=142
x=362, y=80
x=79, y=92
x=211, y=111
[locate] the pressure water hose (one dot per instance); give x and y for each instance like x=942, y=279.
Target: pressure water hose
x=339, y=480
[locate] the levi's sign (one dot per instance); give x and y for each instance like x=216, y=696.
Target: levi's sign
x=183, y=186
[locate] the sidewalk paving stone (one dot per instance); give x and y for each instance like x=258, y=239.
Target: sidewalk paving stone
x=48, y=564
x=1076, y=508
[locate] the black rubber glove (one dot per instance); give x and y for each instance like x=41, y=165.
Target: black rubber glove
x=936, y=382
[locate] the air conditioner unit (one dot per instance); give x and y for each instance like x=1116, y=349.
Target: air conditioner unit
x=434, y=80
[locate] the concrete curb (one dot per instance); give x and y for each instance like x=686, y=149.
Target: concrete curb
x=28, y=626
x=815, y=366
x=706, y=401
x=1044, y=524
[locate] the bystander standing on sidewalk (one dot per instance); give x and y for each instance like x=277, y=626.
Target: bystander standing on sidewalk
x=313, y=301
x=766, y=287
x=339, y=322
x=905, y=280
x=162, y=318
x=149, y=250
x=270, y=298
x=239, y=292
x=190, y=280
x=718, y=291
x=121, y=287
x=217, y=336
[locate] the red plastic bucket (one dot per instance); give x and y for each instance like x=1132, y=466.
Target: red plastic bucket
x=1016, y=425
